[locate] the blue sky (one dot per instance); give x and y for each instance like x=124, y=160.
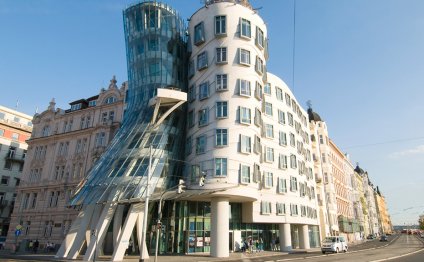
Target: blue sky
x=360, y=62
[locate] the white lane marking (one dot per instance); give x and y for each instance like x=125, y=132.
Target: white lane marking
x=404, y=255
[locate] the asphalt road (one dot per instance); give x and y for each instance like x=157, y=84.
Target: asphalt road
x=403, y=248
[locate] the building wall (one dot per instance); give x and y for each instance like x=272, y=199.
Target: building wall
x=258, y=194
x=63, y=147
x=15, y=129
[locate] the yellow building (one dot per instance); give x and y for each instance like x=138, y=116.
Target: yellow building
x=383, y=215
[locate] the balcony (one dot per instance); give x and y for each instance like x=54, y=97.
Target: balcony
x=11, y=156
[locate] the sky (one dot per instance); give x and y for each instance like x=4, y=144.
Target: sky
x=360, y=62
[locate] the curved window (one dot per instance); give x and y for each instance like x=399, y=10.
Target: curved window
x=110, y=100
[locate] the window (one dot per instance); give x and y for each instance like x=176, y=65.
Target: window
x=153, y=44
x=282, y=185
x=321, y=139
x=293, y=163
x=45, y=131
x=2, y=115
x=202, y=61
x=279, y=93
x=191, y=69
x=290, y=118
x=245, y=174
x=259, y=38
x=191, y=93
x=282, y=161
x=294, y=210
x=244, y=57
x=266, y=208
x=302, y=210
x=221, y=167
x=188, y=147
x=199, y=34
x=75, y=107
x=267, y=89
x=245, y=29
x=288, y=100
x=154, y=69
x=100, y=139
x=92, y=103
x=221, y=137
x=256, y=173
x=281, y=117
x=201, y=144
x=245, y=115
x=268, y=108
x=203, y=117
x=281, y=209
x=15, y=136
x=110, y=100
x=245, y=144
x=257, y=147
x=259, y=66
x=269, y=131
x=293, y=184
x=268, y=179
x=269, y=154
x=4, y=180
x=220, y=25
x=221, y=82
x=282, y=138
x=292, y=140
x=152, y=18
x=190, y=119
x=244, y=87
x=1, y=132
x=203, y=90
x=221, y=55
x=258, y=91
x=111, y=116
x=258, y=117
x=221, y=109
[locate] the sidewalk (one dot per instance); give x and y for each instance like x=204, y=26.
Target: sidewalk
x=168, y=258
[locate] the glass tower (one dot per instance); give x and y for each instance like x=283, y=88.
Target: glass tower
x=156, y=58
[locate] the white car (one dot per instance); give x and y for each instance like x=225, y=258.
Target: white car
x=334, y=244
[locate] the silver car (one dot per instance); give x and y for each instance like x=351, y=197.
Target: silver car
x=334, y=244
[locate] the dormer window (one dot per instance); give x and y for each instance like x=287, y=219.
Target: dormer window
x=92, y=103
x=110, y=100
x=75, y=107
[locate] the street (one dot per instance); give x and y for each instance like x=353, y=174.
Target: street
x=405, y=248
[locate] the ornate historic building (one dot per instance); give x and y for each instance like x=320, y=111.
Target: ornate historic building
x=63, y=146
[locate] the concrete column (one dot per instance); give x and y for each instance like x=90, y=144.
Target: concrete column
x=285, y=237
x=117, y=224
x=70, y=237
x=119, y=251
x=103, y=222
x=304, y=237
x=139, y=224
x=80, y=236
x=220, y=227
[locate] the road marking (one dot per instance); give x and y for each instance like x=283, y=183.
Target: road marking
x=404, y=255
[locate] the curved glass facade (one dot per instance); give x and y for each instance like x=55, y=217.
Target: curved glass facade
x=156, y=56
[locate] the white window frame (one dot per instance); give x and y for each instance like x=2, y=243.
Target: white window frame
x=269, y=131
x=282, y=138
x=244, y=174
x=220, y=25
x=268, y=109
x=221, y=55
x=199, y=34
x=245, y=115
x=269, y=154
x=245, y=28
x=267, y=89
x=282, y=161
x=202, y=61
x=204, y=90
x=281, y=117
x=221, y=137
x=259, y=65
x=282, y=185
x=223, y=165
x=244, y=87
x=221, y=82
x=244, y=57
x=293, y=184
x=245, y=144
x=266, y=208
x=281, y=209
x=260, y=39
x=268, y=179
x=221, y=109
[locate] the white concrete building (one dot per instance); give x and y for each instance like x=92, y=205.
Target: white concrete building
x=246, y=133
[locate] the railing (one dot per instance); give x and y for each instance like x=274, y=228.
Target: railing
x=240, y=2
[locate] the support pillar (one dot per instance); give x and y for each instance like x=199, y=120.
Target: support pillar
x=117, y=224
x=139, y=222
x=304, y=237
x=100, y=228
x=285, y=237
x=220, y=227
x=80, y=236
x=70, y=237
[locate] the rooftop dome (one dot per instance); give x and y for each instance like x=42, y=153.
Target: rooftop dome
x=313, y=116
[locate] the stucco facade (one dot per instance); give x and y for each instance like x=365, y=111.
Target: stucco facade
x=63, y=146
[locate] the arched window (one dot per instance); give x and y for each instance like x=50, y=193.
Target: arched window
x=45, y=131
x=110, y=100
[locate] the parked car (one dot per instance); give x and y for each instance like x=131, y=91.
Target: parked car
x=370, y=236
x=384, y=238
x=334, y=244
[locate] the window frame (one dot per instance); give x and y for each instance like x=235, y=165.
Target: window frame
x=244, y=57
x=220, y=30
x=199, y=34
x=221, y=55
